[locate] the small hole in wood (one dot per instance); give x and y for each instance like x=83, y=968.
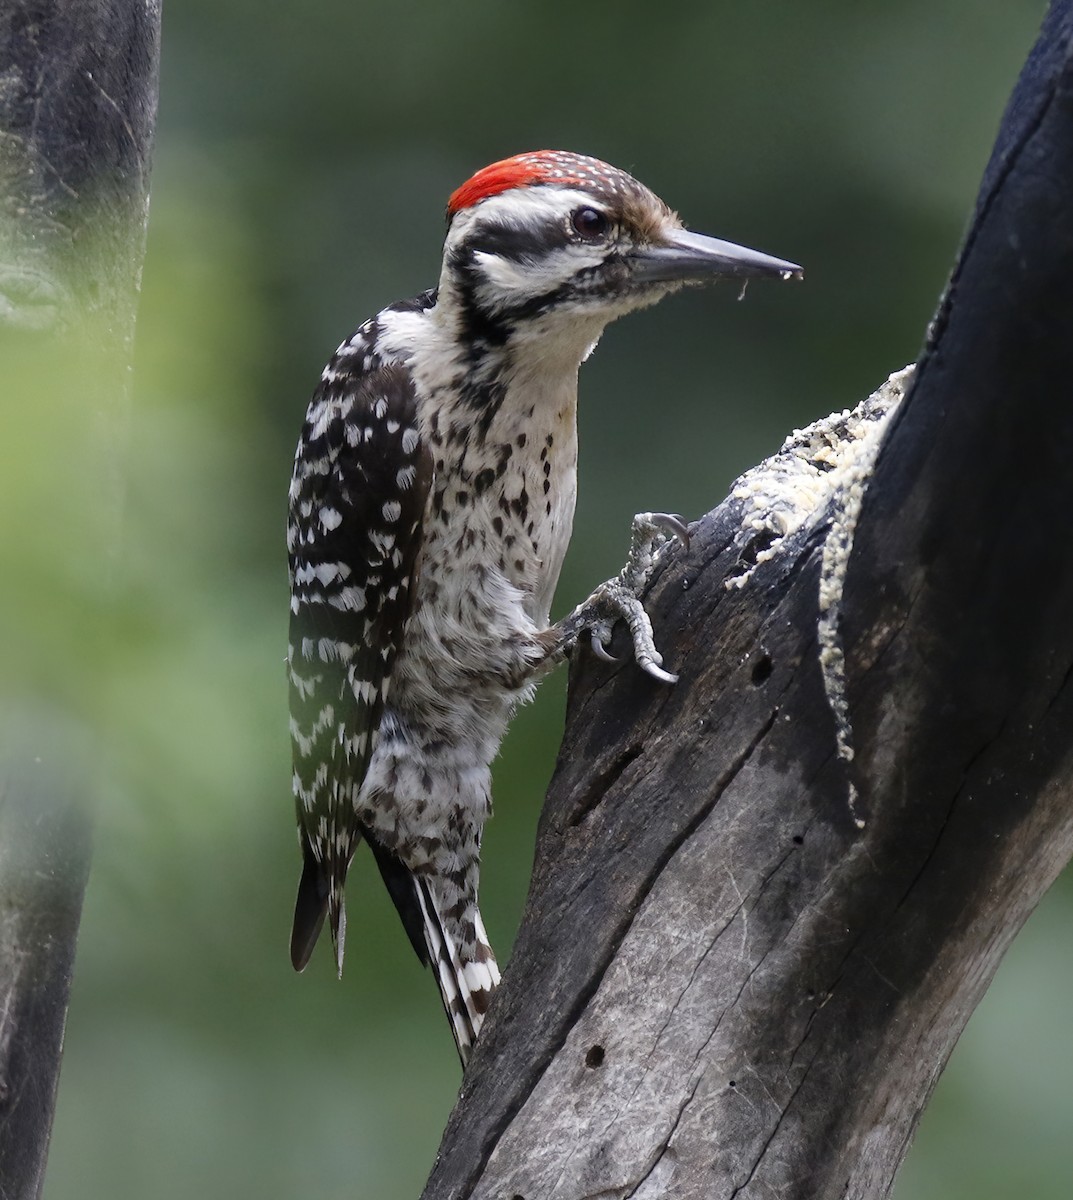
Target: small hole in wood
x=755, y=548
x=733, y=1083
x=595, y=1057
x=798, y=840
x=762, y=670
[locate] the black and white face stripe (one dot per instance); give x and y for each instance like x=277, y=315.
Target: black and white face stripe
x=523, y=254
x=524, y=244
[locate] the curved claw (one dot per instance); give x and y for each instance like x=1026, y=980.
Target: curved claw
x=673, y=524
x=599, y=649
x=658, y=672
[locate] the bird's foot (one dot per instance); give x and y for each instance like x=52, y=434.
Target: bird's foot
x=619, y=598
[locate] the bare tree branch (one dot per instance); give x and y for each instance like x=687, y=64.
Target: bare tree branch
x=766, y=901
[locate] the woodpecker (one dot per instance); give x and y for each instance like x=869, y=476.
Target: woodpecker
x=430, y=510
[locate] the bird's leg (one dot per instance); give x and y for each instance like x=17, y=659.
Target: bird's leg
x=619, y=598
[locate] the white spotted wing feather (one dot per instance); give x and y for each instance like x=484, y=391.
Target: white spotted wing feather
x=357, y=499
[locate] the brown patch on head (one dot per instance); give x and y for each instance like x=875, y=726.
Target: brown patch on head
x=638, y=211
x=646, y=216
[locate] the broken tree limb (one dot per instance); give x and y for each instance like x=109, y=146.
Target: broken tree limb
x=78, y=88
x=766, y=901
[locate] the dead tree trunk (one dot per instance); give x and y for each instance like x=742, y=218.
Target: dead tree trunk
x=765, y=901
x=78, y=84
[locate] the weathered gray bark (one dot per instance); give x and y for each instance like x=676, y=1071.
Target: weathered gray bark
x=722, y=986
x=78, y=85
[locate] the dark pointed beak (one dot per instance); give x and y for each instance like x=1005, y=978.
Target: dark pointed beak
x=692, y=257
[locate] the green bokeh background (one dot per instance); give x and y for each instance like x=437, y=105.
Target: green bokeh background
x=304, y=156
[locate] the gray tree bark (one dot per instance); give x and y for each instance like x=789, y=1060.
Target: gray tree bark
x=766, y=901
x=78, y=87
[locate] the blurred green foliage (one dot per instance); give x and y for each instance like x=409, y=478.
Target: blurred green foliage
x=303, y=159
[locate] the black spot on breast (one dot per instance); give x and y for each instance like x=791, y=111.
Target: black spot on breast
x=484, y=480
x=497, y=525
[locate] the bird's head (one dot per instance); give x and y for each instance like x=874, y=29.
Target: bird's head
x=551, y=240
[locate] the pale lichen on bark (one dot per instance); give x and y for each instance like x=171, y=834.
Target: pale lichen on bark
x=821, y=473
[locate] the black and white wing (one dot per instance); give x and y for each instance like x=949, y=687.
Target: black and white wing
x=357, y=501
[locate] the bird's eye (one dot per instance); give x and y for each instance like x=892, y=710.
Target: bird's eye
x=591, y=223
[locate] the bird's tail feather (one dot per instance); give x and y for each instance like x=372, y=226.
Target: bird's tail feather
x=337, y=921
x=320, y=895
x=310, y=908
x=465, y=986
